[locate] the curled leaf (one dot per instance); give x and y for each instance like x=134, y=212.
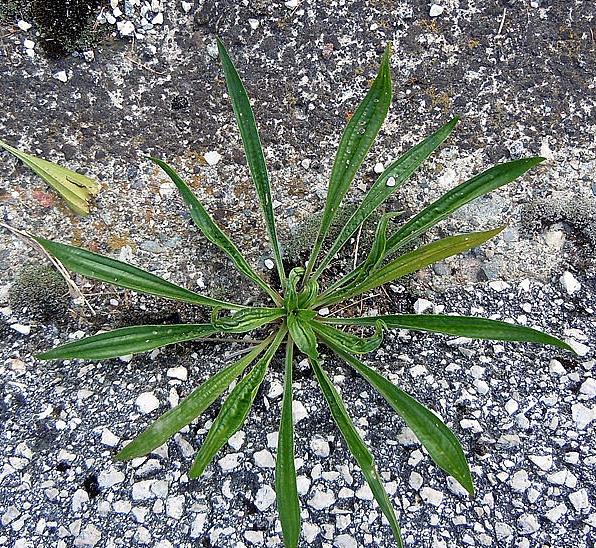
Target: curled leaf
x=76, y=189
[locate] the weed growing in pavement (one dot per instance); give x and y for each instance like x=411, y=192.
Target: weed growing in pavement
x=294, y=319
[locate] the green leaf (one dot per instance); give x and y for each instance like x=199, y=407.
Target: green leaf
x=213, y=233
x=102, y=268
x=441, y=444
x=286, y=492
x=479, y=185
x=357, y=447
x=235, y=409
x=252, y=147
x=413, y=261
x=246, y=320
x=128, y=340
x=76, y=189
x=301, y=331
x=377, y=251
x=475, y=187
x=292, y=288
x=387, y=183
x=355, y=143
x=352, y=343
x=458, y=326
x=189, y=408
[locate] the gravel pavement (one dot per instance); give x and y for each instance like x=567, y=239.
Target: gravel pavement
x=114, y=82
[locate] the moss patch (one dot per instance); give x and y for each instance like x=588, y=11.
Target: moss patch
x=41, y=290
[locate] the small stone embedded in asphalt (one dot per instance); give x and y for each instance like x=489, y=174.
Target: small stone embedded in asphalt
x=544, y=462
x=321, y=499
x=264, y=459
x=147, y=402
x=212, y=157
x=436, y=10
x=570, y=283
x=265, y=497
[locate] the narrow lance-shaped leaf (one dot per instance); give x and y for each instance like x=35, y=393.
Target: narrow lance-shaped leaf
x=102, y=268
x=387, y=183
x=252, y=147
x=376, y=254
x=235, y=409
x=355, y=142
x=352, y=343
x=441, y=444
x=413, y=261
x=76, y=189
x=301, y=330
x=189, y=408
x=213, y=233
x=483, y=183
x=458, y=326
x=447, y=204
x=127, y=340
x=245, y=320
x=286, y=492
x=357, y=447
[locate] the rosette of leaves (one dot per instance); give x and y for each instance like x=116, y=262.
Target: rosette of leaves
x=292, y=321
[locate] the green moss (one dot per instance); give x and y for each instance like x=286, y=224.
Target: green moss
x=298, y=247
x=41, y=290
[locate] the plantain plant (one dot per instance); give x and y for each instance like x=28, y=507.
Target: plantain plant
x=295, y=319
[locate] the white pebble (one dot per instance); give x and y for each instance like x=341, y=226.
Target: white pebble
x=147, y=402
x=109, y=478
x=29, y=44
x=544, y=462
x=229, y=462
x=422, y=305
x=431, y=496
x=186, y=6
x=212, y=157
x=264, y=459
x=511, y=407
x=23, y=25
x=255, y=537
x=582, y=415
x=299, y=412
x=237, y=440
x=527, y=524
x=390, y=181
x=292, y=4
x=588, y=388
x=364, y=493
x=265, y=497
x=158, y=19
x=471, y=424
x=125, y=28
x=569, y=283
x=556, y=513
x=436, y=10
x=579, y=500
x=20, y=328
x=320, y=446
x=415, y=481
x=175, y=506
x=321, y=499
x=379, y=168
x=275, y=390
x=179, y=373
x=79, y=499
x=519, y=481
